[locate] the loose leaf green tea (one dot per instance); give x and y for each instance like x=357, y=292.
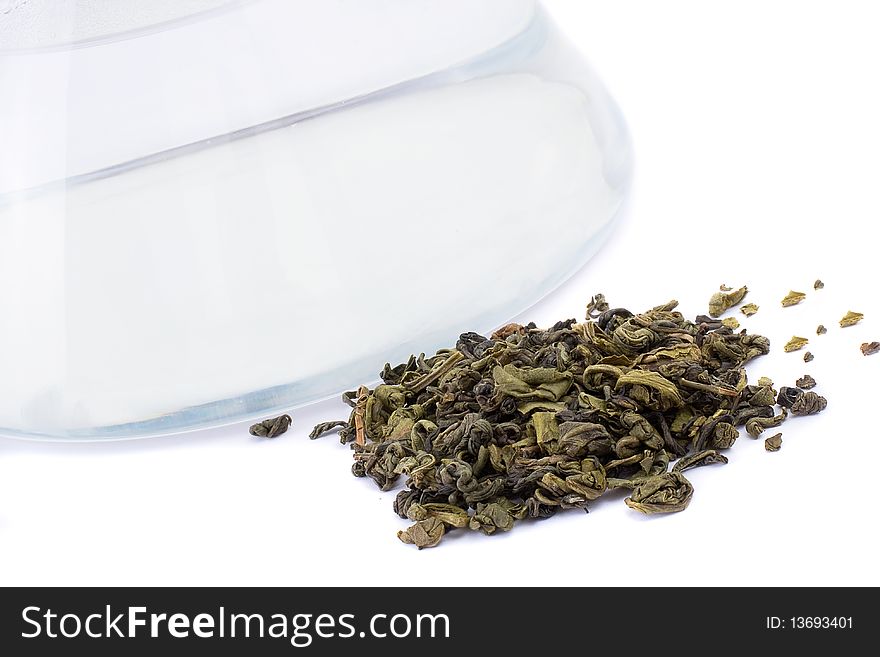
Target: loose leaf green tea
x=818, y=285
x=793, y=298
x=749, y=309
x=272, y=427
x=808, y=356
x=724, y=287
x=851, y=319
x=773, y=443
x=869, y=348
x=795, y=343
x=821, y=330
x=722, y=301
x=731, y=322
x=530, y=422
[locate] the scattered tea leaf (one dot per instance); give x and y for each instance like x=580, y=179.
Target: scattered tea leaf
x=821, y=330
x=765, y=382
x=851, y=319
x=722, y=301
x=793, y=298
x=795, y=343
x=773, y=443
x=749, y=309
x=271, y=428
x=806, y=382
x=731, y=323
x=818, y=285
x=808, y=356
x=869, y=348
x=724, y=287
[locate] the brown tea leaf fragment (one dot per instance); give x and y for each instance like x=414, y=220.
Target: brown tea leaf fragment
x=749, y=309
x=808, y=356
x=869, y=348
x=793, y=298
x=724, y=287
x=809, y=403
x=722, y=301
x=818, y=285
x=806, y=382
x=773, y=443
x=851, y=319
x=821, y=330
x=795, y=343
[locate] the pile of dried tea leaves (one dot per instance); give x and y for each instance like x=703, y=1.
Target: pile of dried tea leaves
x=529, y=421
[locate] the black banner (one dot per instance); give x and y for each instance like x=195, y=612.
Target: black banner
x=319, y=621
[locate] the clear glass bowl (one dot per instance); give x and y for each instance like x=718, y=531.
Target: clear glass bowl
x=211, y=211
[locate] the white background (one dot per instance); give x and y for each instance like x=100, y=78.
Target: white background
x=757, y=136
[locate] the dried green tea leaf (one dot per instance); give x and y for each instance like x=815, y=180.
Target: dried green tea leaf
x=773, y=443
x=851, y=319
x=818, y=285
x=755, y=426
x=666, y=493
x=272, y=427
x=765, y=382
x=722, y=301
x=706, y=457
x=449, y=514
x=869, y=348
x=795, y=343
x=808, y=403
x=821, y=330
x=731, y=323
x=793, y=298
x=808, y=356
x=806, y=382
x=530, y=422
x=724, y=288
x=597, y=306
x=749, y=309
x=326, y=427
x=424, y=533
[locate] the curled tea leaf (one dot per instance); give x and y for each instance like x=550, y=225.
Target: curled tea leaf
x=765, y=382
x=326, y=427
x=808, y=403
x=795, y=343
x=706, y=457
x=806, y=382
x=724, y=287
x=666, y=493
x=722, y=301
x=731, y=322
x=808, y=356
x=271, y=428
x=821, y=330
x=749, y=309
x=773, y=443
x=424, y=533
x=818, y=285
x=851, y=319
x=597, y=306
x=756, y=425
x=793, y=298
